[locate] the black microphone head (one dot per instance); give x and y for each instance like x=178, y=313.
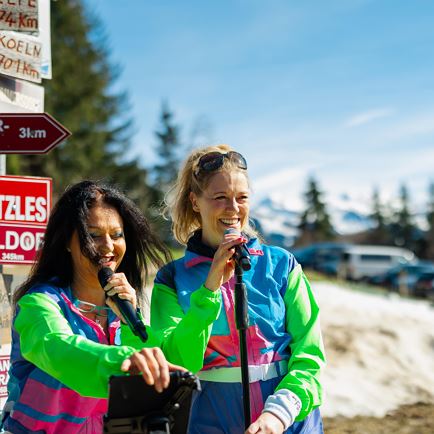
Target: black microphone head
x=104, y=275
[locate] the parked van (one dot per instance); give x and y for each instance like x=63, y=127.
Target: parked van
x=363, y=261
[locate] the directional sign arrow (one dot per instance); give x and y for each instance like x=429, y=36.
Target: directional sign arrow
x=30, y=133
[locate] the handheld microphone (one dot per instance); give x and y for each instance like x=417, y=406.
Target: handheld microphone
x=124, y=306
x=241, y=255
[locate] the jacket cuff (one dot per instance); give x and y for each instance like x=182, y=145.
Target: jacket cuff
x=285, y=405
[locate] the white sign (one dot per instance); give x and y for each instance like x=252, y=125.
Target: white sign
x=20, y=56
x=19, y=15
x=45, y=38
x=20, y=96
x=26, y=56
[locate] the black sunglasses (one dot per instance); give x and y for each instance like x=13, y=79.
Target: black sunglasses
x=214, y=160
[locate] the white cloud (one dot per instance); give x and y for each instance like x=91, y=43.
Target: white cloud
x=368, y=116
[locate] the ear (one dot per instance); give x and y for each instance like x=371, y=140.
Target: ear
x=193, y=200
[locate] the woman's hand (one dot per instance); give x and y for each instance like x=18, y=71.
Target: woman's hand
x=118, y=284
x=153, y=366
x=222, y=267
x=266, y=423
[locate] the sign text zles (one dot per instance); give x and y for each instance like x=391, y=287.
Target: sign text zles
x=25, y=204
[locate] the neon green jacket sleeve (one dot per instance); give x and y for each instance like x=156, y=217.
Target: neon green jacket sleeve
x=130, y=339
x=307, y=350
x=184, y=336
x=48, y=342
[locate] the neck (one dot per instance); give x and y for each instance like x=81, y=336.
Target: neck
x=209, y=242
x=89, y=291
x=195, y=244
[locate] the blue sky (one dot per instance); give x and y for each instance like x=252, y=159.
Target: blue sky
x=339, y=89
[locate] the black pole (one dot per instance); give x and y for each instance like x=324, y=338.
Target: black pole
x=242, y=322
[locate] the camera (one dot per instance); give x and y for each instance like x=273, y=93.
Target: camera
x=137, y=408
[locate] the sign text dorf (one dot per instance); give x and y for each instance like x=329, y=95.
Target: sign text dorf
x=21, y=15
x=20, y=56
x=25, y=204
x=30, y=133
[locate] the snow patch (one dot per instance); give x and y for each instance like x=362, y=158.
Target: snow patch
x=380, y=351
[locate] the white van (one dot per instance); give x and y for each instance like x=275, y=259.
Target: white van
x=362, y=261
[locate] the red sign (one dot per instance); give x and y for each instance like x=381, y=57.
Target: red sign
x=30, y=133
x=19, y=244
x=4, y=369
x=25, y=204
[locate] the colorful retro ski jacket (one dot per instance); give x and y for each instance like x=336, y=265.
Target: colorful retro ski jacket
x=60, y=365
x=283, y=319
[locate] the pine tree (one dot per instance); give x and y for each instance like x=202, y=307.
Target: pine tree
x=379, y=234
x=80, y=96
x=168, y=149
x=164, y=173
x=402, y=226
x=315, y=222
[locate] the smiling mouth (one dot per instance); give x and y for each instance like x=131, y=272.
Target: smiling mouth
x=230, y=222
x=106, y=260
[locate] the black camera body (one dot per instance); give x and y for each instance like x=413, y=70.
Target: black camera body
x=135, y=407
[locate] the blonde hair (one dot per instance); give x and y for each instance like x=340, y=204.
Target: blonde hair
x=177, y=204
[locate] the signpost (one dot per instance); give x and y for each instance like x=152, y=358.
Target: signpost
x=25, y=204
x=30, y=133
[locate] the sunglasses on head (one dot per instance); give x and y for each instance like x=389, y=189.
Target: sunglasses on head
x=214, y=160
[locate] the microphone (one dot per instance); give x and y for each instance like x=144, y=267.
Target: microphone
x=125, y=307
x=241, y=255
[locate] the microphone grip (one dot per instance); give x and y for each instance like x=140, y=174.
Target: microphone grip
x=125, y=307
x=130, y=316
x=242, y=257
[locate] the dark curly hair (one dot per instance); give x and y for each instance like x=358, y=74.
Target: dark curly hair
x=71, y=213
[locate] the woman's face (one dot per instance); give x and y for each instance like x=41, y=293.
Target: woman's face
x=105, y=226
x=223, y=204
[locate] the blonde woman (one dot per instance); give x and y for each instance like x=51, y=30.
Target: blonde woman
x=193, y=304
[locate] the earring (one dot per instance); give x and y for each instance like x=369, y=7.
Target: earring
x=69, y=250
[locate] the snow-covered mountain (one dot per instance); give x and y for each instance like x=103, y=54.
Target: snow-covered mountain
x=277, y=220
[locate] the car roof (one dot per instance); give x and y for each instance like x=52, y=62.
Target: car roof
x=378, y=250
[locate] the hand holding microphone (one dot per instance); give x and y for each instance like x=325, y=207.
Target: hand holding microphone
x=123, y=299
x=241, y=255
x=223, y=264
x=149, y=362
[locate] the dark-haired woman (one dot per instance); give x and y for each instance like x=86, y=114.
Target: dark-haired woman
x=210, y=215
x=66, y=332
